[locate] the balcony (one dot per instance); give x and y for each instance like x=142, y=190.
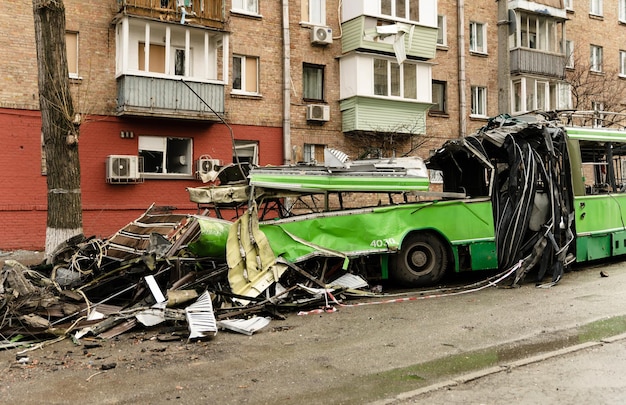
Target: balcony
x=530, y=61
x=205, y=13
x=364, y=33
x=168, y=98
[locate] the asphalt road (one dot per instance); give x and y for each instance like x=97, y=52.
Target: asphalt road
x=373, y=352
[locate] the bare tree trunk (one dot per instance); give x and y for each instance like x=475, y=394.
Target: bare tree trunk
x=59, y=125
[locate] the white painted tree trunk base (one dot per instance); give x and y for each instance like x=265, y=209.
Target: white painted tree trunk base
x=55, y=236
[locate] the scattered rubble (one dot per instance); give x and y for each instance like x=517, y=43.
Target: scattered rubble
x=151, y=272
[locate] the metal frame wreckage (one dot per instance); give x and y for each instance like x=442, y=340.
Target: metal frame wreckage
x=526, y=194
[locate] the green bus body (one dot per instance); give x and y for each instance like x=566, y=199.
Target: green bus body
x=351, y=233
x=466, y=225
x=463, y=230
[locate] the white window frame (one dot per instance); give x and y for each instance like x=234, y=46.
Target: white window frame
x=402, y=85
x=175, y=162
x=311, y=150
x=595, y=61
x=595, y=7
x=243, y=75
x=479, y=101
x=314, y=12
x=442, y=37
x=246, y=151
x=621, y=15
x=598, y=106
x=568, y=4
x=477, y=28
x=622, y=63
x=394, y=13
x=569, y=54
x=246, y=6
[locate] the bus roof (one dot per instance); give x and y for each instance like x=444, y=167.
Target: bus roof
x=596, y=134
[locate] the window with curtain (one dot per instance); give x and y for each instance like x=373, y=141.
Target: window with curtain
x=313, y=82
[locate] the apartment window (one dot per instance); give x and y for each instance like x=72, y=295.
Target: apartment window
x=622, y=11
x=622, y=64
x=537, y=32
x=313, y=82
x=439, y=97
x=166, y=155
x=530, y=94
x=598, y=108
x=479, y=101
x=179, y=63
x=314, y=11
x=478, y=37
x=247, y=6
x=595, y=7
x=245, y=74
x=596, y=58
x=403, y=9
x=441, y=30
x=71, y=44
x=246, y=152
x=154, y=62
x=313, y=153
x=569, y=54
x=568, y=4
x=391, y=79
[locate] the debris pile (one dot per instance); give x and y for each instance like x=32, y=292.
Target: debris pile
x=162, y=268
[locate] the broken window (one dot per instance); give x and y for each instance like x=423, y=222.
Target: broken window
x=165, y=155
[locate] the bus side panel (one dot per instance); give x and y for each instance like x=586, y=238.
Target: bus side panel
x=382, y=229
x=484, y=255
x=599, y=226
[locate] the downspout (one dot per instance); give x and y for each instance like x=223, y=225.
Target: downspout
x=462, y=80
x=504, y=64
x=286, y=86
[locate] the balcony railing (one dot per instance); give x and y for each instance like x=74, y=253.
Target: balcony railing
x=168, y=98
x=208, y=13
x=532, y=61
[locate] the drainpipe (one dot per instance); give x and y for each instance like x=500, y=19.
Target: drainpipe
x=460, y=15
x=286, y=87
x=504, y=64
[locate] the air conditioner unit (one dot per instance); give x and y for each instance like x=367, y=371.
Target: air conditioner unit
x=207, y=168
x=317, y=112
x=123, y=169
x=321, y=35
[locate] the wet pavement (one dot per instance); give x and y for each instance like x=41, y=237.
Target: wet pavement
x=592, y=375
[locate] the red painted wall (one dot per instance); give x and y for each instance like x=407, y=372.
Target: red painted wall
x=106, y=207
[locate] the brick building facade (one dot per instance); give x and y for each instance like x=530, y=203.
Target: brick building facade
x=133, y=99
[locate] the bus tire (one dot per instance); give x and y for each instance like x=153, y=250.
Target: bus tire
x=422, y=261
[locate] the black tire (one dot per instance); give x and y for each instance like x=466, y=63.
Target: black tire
x=422, y=261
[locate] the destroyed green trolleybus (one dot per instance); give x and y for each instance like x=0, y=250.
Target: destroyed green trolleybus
x=537, y=192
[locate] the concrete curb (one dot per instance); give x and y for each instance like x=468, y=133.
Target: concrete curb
x=475, y=375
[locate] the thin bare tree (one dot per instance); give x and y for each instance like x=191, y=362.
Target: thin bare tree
x=599, y=88
x=59, y=125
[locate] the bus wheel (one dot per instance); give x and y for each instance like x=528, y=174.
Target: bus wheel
x=422, y=261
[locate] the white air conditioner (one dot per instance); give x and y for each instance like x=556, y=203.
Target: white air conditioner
x=321, y=35
x=317, y=112
x=123, y=169
x=207, y=168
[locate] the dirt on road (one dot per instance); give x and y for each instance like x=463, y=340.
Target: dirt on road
x=358, y=354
